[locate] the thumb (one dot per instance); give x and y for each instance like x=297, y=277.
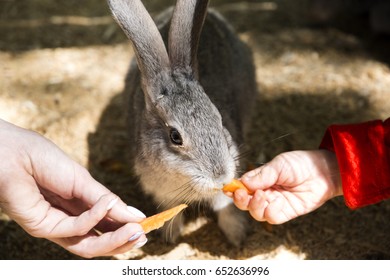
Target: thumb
x=57, y=172
x=61, y=175
x=90, y=191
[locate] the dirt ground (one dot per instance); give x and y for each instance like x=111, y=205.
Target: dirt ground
x=62, y=71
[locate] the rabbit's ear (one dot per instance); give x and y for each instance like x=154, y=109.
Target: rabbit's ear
x=186, y=26
x=140, y=28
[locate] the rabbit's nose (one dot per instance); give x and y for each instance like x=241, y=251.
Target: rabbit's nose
x=218, y=171
x=223, y=171
x=224, y=178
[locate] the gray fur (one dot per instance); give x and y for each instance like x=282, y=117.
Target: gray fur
x=211, y=125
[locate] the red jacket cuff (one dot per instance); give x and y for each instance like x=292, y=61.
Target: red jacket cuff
x=363, y=155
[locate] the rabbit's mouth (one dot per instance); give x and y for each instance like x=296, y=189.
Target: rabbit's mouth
x=216, y=190
x=210, y=193
x=205, y=194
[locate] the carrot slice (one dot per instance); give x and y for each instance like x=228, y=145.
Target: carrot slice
x=156, y=221
x=234, y=185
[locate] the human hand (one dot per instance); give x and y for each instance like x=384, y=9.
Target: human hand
x=51, y=196
x=292, y=184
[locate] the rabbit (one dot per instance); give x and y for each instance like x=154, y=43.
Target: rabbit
x=188, y=110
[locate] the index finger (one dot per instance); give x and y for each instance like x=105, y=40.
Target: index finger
x=106, y=244
x=261, y=178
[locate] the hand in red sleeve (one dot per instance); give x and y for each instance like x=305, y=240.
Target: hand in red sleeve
x=291, y=185
x=363, y=155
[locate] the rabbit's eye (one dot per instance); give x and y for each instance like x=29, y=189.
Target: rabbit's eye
x=175, y=137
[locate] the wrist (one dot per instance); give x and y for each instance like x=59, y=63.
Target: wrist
x=335, y=176
x=338, y=189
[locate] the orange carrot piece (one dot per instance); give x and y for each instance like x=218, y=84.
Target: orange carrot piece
x=235, y=185
x=156, y=221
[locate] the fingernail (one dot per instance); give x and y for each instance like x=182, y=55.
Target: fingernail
x=136, y=212
x=139, y=244
x=136, y=236
x=112, y=203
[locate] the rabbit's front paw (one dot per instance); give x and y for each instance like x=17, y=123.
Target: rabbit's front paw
x=233, y=223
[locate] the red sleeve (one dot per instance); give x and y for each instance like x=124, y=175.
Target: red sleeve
x=363, y=155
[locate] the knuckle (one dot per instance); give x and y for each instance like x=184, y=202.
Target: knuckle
x=38, y=233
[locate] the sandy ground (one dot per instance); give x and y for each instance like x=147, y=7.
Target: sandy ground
x=62, y=71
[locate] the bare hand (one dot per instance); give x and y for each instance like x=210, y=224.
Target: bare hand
x=53, y=197
x=292, y=184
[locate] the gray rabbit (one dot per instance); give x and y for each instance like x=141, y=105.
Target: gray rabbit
x=188, y=109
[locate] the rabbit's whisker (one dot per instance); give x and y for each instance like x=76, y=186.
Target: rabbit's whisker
x=185, y=193
x=279, y=138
